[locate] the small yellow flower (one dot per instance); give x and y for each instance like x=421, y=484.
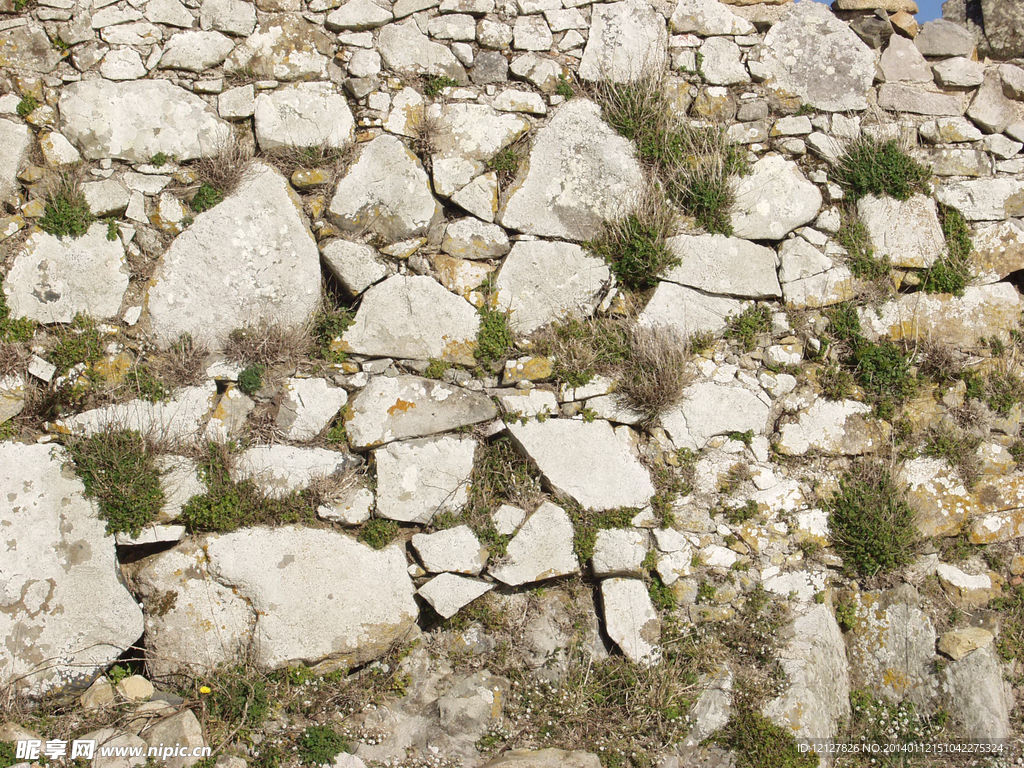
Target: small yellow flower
x=204, y=689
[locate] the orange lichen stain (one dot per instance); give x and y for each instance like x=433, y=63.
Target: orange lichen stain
x=401, y=406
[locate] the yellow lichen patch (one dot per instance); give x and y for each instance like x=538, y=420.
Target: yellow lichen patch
x=528, y=369
x=460, y=352
x=113, y=369
x=401, y=406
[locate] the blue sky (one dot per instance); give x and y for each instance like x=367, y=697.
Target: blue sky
x=928, y=9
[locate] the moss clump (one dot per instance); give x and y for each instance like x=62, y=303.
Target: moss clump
x=27, y=105
x=757, y=742
x=250, y=380
x=871, y=167
x=434, y=85
x=494, y=340
x=331, y=323
x=320, y=744
x=118, y=469
x=871, y=522
x=436, y=369
x=205, y=198
x=863, y=263
x=378, y=533
x=78, y=343
x=636, y=246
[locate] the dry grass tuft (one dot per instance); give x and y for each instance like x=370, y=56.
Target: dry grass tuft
x=333, y=161
x=267, y=344
x=219, y=174
x=426, y=130
x=655, y=372
x=13, y=359
x=183, y=363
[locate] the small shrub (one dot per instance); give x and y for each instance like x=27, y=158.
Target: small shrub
x=952, y=271
x=159, y=160
x=1003, y=390
x=118, y=470
x=636, y=246
x=320, y=744
x=871, y=167
x=436, y=369
x=250, y=381
x=494, y=340
x=220, y=173
x=853, y=237
x=141, y=382
x=27, y=105
x=505, y=162
x=746, y=326
x=706, y=592
x=958, y=447
x=564, y=88
x=378, y=532
x=80, y=342
x=758, y=742
x=661, y=595
x=66, y=213
x=238, y=698
x=331, y=323
x=846, y=614
x=205, y=198
x=884, y=370
x=871, y=522
x=836, y=383
x=434, y=85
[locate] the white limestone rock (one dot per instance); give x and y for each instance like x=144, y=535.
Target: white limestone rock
x=542, y=549
x=196, y=51
x=908, y=232
x=470, y=238
x=272, y=276
x=356, y=265
x=592, y=463
x=725, y=265
x=710, y=408
x=400, y=407
x=627, y=41
x=579, y=174
x=357, y=15
x=773, y=199
x=135, y=120
x=16, y=140
x=455, y=550
x=448, y=593
x=413, y=318
x=408, y=51
x=64, y=610
x=839, y=427
x=630, y=619
x=619, y=552
x=54, y=279
x=984, y=199
x=307, y=407
x=688, y=311
x=365, y=596
x=417, y=479
x=385, y=192
x=280, y=469
x=303, y=115
x=541, y=281
x=284, y=47
x=233, y=17
x=810, y=279
x=707, y=17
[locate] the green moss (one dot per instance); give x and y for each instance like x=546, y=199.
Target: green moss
x=159, y=160
x=434, y=85
x=320, y=744
x=436, y=369
x=506, y=161
x=250, y=380
x=494, y=340
x=13, y=331
x=205, y=198
x=587, y=524
x=378, y=532
x=746, y=326
x=884, y=370
x=661, y=595
x=564, y=88
x=27, y=105
x=118, y=470
x=66, y=213
x=871, y=522
x=853, y=236
x=871, y=167
x=1003, y=390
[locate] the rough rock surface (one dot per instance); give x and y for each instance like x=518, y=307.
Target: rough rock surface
x=417, y=479
x=725, y=265
x=15, y=140
x=278, y=470
x=65, y=612
x=303, y=115
x=283, y=47
x=578, y=174
x=710, y=408
x=627, y=41
x=273, y=276
x=773, y=200
x=632, y=622
x=542, y=549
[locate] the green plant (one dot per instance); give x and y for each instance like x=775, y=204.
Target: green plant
x=205, y=197
x=836, y=383
x=494, y=340
x=1003, y=390
x=952, y=271
x=636, y=246
x=378, y=532
x=66, y=213
x=434, y=85
x=872, y=167
x=884, y=370
x=564, y=88
x=80, y=342
x=117, y=673
x=661, y=594
x=13, y=331
x=505, y=162
x=320, y=744
x=27, y=105
x=741, y=514
x=958, y=447
x=806, y=109
x=586, y=525
x=757, y=742
x=846, y=614
x=239, y=698
x=706, y=592
x=8, y=754
x=330, y=324
x=436, y=368
x=853, y=237
x=336, y=433
x=21, y=5
x=118, y=470
x=745, y=326
x=250, y=380
x=871, y=522
x=141, y=382
x=159, y=160
x=112, y=229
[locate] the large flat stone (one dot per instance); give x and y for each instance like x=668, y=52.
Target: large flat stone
x=630, y=619
x=54, y=279
x=542, y=549
x=773, y=199
x=272, y=275
x=841, y=427
x=138, y=119
x=414, y=318
x=417, y=479
x=627, y=41
x=408, y=51
x=709, y=408
x=65, y=613
x=591, y=463
x=364, y=596
x=688, y=311
x=16, y=140
x=401, y=407
x=579, y=174
x=725, y=265
x=908, y=232
x=28, y=48
x=284, y=47
x=984, y=199
x=279, y=469
x=303, y=115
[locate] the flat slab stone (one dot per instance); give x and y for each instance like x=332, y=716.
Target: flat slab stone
x=457, y=550
x=28, y=48
x=984, y=199
x=627, y=41
x=416, y=479
x=591, y=463
x=810, y=279
x=273, y=276
x=899, y=97
x=542, y=549
x=709, y=408
x=192, y=621
x=284, y=47
x=908, y=232
x=280, y=469
x=408, y=51
x=707, y=17
x=386, y=192
x=725, y=265
x=400, y=407
x=137, y=119
x=356, y=265
x=364, y=595
x=630, y=619
x=540, y=282
x=308, y=407
x=303, y=115
x=16, y=139
x=65, y=613
x=983, y=312
x=840, y=427
x=816, y=57
x=53, y=279
x=413, y=318
x=579, y=174
x=773, y=199
x=688, y=311
x=196, y=51
x=449, y=593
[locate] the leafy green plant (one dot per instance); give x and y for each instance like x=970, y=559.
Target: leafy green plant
x=320, y=744
x=872, y=167
x=564, y=88
x=494, y=340
x=636, y=246
x=863, y=263
x=159, y=160
x=884, y=370
x=1003, y=390
x=238, y=697
x=436, y=369
x=117, y=468
x=80, y=342
x=757, y=742
x=952, y=271
x=66, y=213
x=205, y=198
x=587, y=524
x=331, y=323
x=250, y=380
x=836, y=383
x=141, y=382
x=958, y=447
x=378, y=532
x=8, y=754
x=506, y=161
x=746, y=326
x=846, y=614
x=13, y=331
x=434, y=85
x=871, y=522
x=27, y=105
